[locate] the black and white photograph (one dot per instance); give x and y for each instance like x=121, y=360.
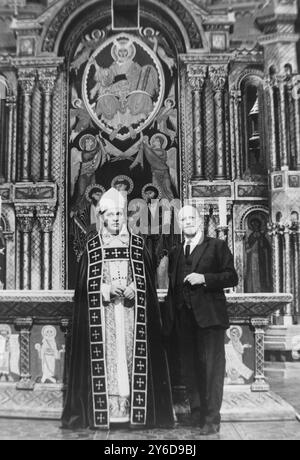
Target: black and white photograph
x=150, y=222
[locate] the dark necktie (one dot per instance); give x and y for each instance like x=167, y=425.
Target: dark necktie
x=187, y=251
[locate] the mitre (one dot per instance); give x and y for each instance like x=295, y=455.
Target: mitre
x=112, y=199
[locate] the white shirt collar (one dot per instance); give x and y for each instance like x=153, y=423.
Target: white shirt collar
x=194, y=241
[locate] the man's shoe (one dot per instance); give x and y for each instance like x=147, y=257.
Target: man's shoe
x=210, y=429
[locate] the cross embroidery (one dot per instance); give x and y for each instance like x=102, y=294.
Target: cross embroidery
x=140, y=283
x=95, y=317
x=140, y=365
x=94, y=301
x=94, y=285
x=142, y=315
x=96, y=335
x=139, y=269
x=139, y=416
x=137, y=254
x=141, y=299
x=100, y=418
x=126, y=253
x=95, y=271
x=141, y=348
x=100, y=402
x=98, y=369
x=140, y=400
x=97, y=352
x=99, y=386
x=94, y=244
x=140, y=382
x=95, y=257
x=116, y=253
x=142, y=332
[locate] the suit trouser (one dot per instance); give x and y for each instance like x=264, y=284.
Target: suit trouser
x=203, y=364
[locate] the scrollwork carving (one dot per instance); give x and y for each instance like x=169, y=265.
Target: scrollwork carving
x=218, y=76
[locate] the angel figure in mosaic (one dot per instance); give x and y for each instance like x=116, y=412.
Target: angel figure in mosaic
x=162, y=163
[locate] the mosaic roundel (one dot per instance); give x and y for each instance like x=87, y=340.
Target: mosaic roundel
x=123, y=86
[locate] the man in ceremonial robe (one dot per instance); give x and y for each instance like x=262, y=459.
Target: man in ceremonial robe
x=118, y=368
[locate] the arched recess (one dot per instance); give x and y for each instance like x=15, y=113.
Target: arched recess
x=254, y=158
x=85, y=37
x=257, y=250
x=7, y=248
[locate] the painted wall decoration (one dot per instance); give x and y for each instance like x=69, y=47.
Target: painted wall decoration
x=239, y=349
x=49, y=355
x=123, y=122
x=258, y=255
x=9, y=354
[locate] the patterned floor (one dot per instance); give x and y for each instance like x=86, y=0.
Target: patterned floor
x=12, y=429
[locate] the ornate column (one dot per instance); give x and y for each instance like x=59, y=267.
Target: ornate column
x=196, y=76
x=273, y=232
x=287, y=243
x=295, y=250
x=47, y=79
x=296, y=95
x=260, y=325
x=236, y=99
x=11, y=154
x=46, y=217
x=283, y=126
x=218, y=77
x=25, y=221
x=24, y=325
x=240, y=236
x=27, y=83
x=271, y=118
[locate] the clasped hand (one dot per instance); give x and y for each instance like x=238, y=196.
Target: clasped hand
x=127, y=293
x=195, y=279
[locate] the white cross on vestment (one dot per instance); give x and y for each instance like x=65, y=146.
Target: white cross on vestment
x=116, y=253
x=141, y=348
x=94, y=317
x=96, y=335
x=99, y=385
x=95, y=271
x=100, y=418
x=140, y=365
x=97, y=352
x=139, y=416
x=98, y=369
x=139, y=399
x=95, y=257
x=140, y=382
x=94, y=300
x=94, y=285
x=94, y=244
x=100, y=402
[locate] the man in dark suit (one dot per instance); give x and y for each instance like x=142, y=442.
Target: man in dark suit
x=200, y=269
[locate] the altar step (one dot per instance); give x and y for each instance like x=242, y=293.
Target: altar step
x=240, y=404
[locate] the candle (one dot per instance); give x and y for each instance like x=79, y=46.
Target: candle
x=223, y=212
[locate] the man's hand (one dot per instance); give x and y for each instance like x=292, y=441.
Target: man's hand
x=195, y=279
x=129, y=293
x=116, y=291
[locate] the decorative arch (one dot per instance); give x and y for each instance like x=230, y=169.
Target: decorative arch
x=7, y=223
x=249, y=211
x=248, y=74
x=174, y=15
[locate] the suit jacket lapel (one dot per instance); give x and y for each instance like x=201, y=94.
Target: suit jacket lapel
x=198, y=253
